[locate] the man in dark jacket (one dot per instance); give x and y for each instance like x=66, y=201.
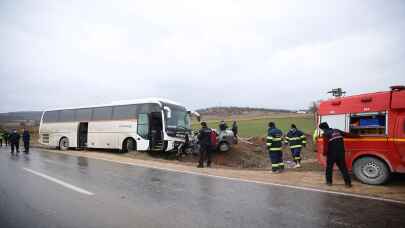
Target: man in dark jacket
x=334, y=149
x=296, y=139
x=6, y=136
x=235, y=129
x=204, y=139
x=26, y=139
x=14, y=139
x=275, y=147
x=223, y=126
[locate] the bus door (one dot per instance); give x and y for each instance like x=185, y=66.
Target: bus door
x=156, y=130
x=82, y=135
x=400, y=136
x=143, y=131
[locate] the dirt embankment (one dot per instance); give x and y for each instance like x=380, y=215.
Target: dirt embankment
x=247, y=154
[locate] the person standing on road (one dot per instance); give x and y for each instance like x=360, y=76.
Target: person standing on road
x=296, y=139
x=275, y=148
x=26, y=139
x=6, y=136
x=14, y=142
x=334, y=150
x=204, y=139
x=1, y=139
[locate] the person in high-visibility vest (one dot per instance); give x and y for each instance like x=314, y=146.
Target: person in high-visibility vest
x=296, y=139
x=275, y=147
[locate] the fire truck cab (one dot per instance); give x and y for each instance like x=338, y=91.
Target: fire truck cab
x=379, y=120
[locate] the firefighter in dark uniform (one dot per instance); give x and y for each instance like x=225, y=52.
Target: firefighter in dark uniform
x=14, y=139
x=26, y=139
x=204, y=139
x=275, y=147
x=296, y=139
x=334, y=149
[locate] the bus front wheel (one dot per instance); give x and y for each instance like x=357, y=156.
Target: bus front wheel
x=371, y=170
x=64, y=143
x=129, y=145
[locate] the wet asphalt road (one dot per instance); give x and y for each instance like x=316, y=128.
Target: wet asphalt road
x=130, y=196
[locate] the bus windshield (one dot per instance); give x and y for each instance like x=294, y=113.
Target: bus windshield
x=178, y=120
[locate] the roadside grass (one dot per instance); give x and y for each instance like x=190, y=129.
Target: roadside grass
x=258, y=127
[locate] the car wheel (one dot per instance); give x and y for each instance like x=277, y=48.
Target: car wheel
x=370, y=170
x=64, y=144
x=224, y=147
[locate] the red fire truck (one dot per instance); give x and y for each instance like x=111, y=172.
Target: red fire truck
x=379, y=120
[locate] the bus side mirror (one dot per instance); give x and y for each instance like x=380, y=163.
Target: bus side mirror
x=168, y=112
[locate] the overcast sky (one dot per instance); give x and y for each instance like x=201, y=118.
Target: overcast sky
x=275, y=54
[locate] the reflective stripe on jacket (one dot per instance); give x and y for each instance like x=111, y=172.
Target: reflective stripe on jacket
x=296, y=138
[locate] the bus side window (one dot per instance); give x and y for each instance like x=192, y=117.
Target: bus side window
x=102, y=113
x=124, y=112
x=83, y=115
x=67, y=115
x=51, y=117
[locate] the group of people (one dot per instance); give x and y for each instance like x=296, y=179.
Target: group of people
x=333, y=144
x=295, y=138
x=223, y=127
x=207, y=139
x=13, y=139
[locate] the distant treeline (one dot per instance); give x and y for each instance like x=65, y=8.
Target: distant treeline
x=239, y=110
x=20, y=116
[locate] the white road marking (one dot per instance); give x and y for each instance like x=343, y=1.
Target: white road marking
x=258, y=182
x=64, y=184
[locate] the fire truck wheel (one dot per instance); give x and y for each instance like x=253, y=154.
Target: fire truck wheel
x=370, y=170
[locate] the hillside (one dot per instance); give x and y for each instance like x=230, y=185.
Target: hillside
x=240, y=112
x=20, y=116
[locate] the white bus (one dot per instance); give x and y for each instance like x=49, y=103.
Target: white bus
x=142, y=125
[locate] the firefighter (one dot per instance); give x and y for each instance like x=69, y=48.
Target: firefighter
x=335, y=153
x=26, y=139
x=204, y=139
x=14, y=139
x=275, y=146
x=296, y=139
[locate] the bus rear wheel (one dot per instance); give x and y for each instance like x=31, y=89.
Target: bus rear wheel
x=371, y=170
x=64, y=143
x=129, y=145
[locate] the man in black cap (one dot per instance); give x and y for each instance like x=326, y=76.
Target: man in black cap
x=334, y=149
x=14, y=139
x=26, y=139
x=204, y=139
